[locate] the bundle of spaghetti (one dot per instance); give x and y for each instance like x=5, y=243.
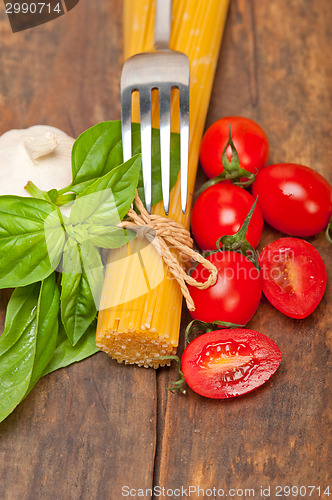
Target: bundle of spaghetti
x=140, y=310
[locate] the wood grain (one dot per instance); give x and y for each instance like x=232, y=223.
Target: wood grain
x=86, y=431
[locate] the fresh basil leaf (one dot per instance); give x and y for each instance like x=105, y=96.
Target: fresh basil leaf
x=99, y=150
x=47, y=327
x=107, y=200
x=108, y=237
x=31, y=240
x=27, y=344
x=21, y=311
x=95, y=153
x=156, y=185
x=102, y=205
x=66, y=354
x=94, y=269
x=78, y=308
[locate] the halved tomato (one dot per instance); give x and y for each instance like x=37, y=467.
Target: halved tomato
x=227, y=363
x=293, y=276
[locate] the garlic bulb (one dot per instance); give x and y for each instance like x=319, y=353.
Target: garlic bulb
x=41, y=154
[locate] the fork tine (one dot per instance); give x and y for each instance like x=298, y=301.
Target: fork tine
x=165, y=141
x=145, y=113
x=184, y=143
x=126, y=123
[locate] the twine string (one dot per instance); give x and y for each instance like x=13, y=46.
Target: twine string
x=166, y=234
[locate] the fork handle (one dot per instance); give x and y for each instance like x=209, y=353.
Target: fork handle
x=162, y=27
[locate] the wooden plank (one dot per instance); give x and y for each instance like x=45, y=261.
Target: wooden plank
x=275, y=67
x=87, y=430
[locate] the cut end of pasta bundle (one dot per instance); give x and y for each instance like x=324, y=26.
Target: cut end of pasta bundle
x=140, y=347
x=138, y=320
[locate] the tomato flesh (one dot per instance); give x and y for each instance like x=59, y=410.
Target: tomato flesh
x=294, y=199
x=293, y=276
x=236, y=294
x=249, y=140
x=230, y=359
x=227, y=363
x=221, y=210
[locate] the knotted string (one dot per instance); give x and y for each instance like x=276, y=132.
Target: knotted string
x=166, y=234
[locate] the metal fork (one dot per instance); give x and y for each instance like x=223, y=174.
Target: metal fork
x=164, y=70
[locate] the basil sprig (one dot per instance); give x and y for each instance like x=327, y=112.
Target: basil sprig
x=51, y=317
x=78, y=308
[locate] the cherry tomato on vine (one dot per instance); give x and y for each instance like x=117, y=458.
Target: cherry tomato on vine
x=294, y=199
x=235, y=295
x=293, y=276
x=221, y=210
x=227, y=363
x=249, y=139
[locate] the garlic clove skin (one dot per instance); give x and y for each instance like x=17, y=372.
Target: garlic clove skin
x=41, y=154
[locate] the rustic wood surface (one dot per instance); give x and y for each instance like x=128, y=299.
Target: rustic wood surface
x=87, y=430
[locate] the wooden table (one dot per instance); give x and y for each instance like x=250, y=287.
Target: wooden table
x=87, y=431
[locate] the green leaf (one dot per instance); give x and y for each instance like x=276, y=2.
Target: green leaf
x=47, y=327
x=28, y=342
x=66, y=354
x=95, y=153
x=101, y=206
x=107, y=200
x=31, y=240
x=78, y=308
x=109, y=237
x=21, y=311
x=99, y=150
x=94, y=270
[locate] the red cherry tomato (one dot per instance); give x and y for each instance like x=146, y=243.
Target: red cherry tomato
x=249, y=140
x=235, y=295
x=294, y=199
x=221, y=209
x=227, y=363
x=293, y=276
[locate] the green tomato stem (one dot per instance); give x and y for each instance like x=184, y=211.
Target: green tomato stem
x=232, y=170
x=238, y=242
x=328, y=230
x=177, y=385
x=197, y=328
